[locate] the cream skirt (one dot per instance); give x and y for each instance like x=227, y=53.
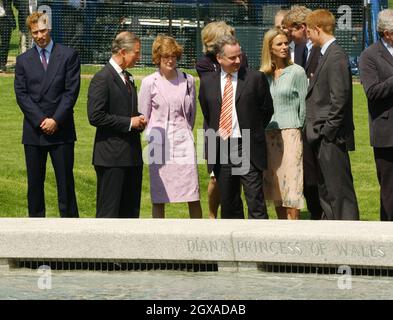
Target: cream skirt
x=283, y=179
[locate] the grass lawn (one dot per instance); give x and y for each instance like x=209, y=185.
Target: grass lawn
x=13, y=184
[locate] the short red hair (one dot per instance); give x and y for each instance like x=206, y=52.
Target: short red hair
x=323, y=19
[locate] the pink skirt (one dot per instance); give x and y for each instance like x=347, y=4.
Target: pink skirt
x=283, y=179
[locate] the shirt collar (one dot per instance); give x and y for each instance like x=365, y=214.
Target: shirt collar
x=326, y=45
x=387, y=45
x=224, y=74
x=48, y=48
x=115, y=66
x=309, y=45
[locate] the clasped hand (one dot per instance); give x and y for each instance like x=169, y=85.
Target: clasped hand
x=48, y=126
x=139, y=122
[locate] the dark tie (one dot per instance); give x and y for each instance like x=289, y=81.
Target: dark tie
x=320, y=57
x=304, y=60
x=43, y=59
x=129, y=82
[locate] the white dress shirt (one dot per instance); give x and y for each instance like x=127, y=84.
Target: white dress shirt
x=309, y=47
x=118, y=69
x=291, y=48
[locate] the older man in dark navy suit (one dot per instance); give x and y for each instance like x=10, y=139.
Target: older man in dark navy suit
x=112, y=108
x=376, y=74
x=47, y=81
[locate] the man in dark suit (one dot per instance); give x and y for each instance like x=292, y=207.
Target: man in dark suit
x=329, y=120
x=237, y=106
x=208, y=63
x=47, y=81
x=306, y=55
x=7, y=24
x=113, y=109
x=376, y=74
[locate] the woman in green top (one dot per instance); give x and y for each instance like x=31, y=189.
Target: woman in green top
x=283, y=179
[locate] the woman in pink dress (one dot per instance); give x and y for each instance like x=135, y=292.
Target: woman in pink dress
x=167, y=99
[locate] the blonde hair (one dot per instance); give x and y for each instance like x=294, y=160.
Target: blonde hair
x=297, y=16
x=36, y=17
x=323, y=19
x=165, y=45
x=212, y=32
x=267, y=62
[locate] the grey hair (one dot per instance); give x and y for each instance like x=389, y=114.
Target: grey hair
x=385, y=21
x=124, y=40
x=223, y=41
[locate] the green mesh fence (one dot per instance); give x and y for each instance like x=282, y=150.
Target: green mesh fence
x=90, y=26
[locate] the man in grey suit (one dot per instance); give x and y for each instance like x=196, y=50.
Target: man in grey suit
x=329, y=120
x=376, y=74
x=113, y=109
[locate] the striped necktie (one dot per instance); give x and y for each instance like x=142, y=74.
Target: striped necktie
x=225, y=126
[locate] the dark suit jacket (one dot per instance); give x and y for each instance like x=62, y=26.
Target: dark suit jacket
x=329, y=100
x=254, y=107
x=312, y=61
x=50, y=94
x=300, y=57
x=110, y=108
x=376, y=74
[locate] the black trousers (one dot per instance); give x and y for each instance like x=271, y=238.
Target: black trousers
x=62, y=156
x=384, y=163
x=230, y=182
x=5, y=37
x=118, y=191
x=335, y=183
x=310, y=179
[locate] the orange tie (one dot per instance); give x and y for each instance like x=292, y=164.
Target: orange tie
x=225, y=127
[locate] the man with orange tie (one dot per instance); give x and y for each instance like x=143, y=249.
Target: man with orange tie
x=237, y=106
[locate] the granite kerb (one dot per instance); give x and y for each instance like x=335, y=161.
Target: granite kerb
x=249, y=241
